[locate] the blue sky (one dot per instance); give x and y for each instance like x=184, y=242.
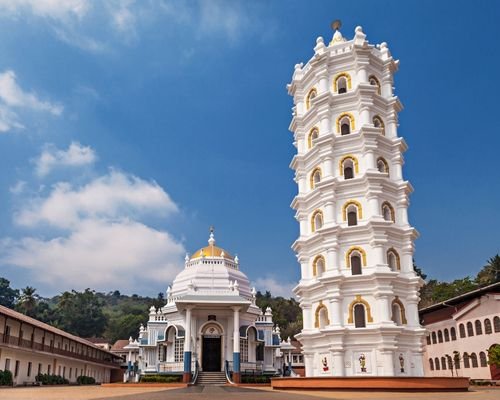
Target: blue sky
x=127, y=128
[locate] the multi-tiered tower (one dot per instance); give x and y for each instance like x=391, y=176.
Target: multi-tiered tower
x=358, y=292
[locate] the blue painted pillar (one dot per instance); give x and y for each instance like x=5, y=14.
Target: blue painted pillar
x=187, y=367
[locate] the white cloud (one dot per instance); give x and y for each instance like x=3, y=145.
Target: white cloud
x=277, y=287
x=14, y=96
x=54, y=9
x=110, y=196
x=18, y=188
x=103, y=255
x=99, y=240
x=223, y=17
x=76, y=155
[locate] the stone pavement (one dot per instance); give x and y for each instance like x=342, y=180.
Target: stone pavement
x=224, y=393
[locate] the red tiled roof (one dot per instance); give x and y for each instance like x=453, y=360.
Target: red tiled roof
x=119, y=345
x=41, y=325
x=97, y=340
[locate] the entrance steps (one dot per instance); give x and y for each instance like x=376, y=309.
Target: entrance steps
x=211, y=378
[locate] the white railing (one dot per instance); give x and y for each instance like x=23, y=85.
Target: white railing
x=172, y=366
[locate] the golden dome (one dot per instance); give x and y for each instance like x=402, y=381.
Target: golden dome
x=212, y=251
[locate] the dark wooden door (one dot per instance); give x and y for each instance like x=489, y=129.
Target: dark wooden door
x=211, y=354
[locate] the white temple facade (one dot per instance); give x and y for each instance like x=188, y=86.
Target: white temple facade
x=358, y=290
x=210, y=323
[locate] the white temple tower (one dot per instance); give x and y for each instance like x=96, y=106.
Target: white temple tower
x=358, y=290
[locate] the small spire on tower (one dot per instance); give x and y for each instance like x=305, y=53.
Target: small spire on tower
x=211, y=240
x=337, y=36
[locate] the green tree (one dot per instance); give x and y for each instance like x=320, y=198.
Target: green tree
x=8, y=295
x=490, y=273
x=494, y=355
x=80, y=313
x=27, y=301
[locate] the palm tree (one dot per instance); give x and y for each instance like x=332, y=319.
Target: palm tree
x=28, y=300
x=490, y=273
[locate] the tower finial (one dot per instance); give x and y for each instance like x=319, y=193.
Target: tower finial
x=336, y=25
x=211, y=240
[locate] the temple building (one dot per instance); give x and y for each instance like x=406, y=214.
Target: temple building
x=358, y=290
x=210, y=326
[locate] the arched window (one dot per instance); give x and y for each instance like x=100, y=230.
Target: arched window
x=450, y=361
x=342, y=83
x=473, y=359
x=352, y=211
x=399, y=314
x=470, y=329
x=479, y=327
x=388, y=212
x=359, y=316
x=487, y=326
x=434, y=338
x=496, y=324
x=378, y=123
x=456, y=359
x=310, y=96
x=443, y=363
x=382, y=165
x=313, y=135
x=466, y=360
x=446, y=335
x=316, y=220
x=393, y=260
x=482, y=359
x=436, y=362
x=428, y=338
x=318, y=266
x=315, y=177
x=321, y=316
x=355, y=259
x=440, y=336
x=461, y=329
x=431, y=364
x=365, y=310
x=374, y=82
x=453, y=333
x=348, y=166
x=345, y=123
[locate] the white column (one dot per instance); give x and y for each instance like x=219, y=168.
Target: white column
x=383, y=308
x=332, y=262
x=330, y=213
x=187, y=339
x=307, y=316
x=365, y=117
x=338, y=362
x=336, y=311
x=328, y=167
x=309, y=364
x=374, y=207
x=370, y=160
x=324, y=125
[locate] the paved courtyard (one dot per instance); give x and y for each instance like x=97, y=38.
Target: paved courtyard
x=223, y=393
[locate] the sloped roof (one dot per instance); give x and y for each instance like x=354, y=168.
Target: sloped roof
x=119, y=345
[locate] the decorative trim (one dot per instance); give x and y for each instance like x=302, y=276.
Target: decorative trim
x=313, y=225
x=359, y=300
x=314, y=92
x=315, y=263
x=311, y=178
x=309, y=138
x=401, y=309
x=355, y=203
x=350, y=251
x=395, y=253
x=351, y=121
x=354, y=161
x=316, y=314
x=341, y=75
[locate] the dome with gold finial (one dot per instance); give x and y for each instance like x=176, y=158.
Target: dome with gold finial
x=212, y=250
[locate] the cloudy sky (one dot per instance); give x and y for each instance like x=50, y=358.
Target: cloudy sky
x=127, y=128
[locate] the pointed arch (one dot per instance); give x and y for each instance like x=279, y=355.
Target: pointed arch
x=359, y=300
x=341, y=118
x=352, y=250
x=313, y=134
x=315, y=177
x=373, y=80
x=353, y=160
x=337, y=78
x=355, y=203
x=401, y=310
x=317, y=315
x=382, y=165
x=318, y=264
x=316, y=220
x=378, y=122
x=393, y=254
x=311, y=95
x=388, y=211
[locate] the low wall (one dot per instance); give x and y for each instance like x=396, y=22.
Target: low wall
x=373, y=383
